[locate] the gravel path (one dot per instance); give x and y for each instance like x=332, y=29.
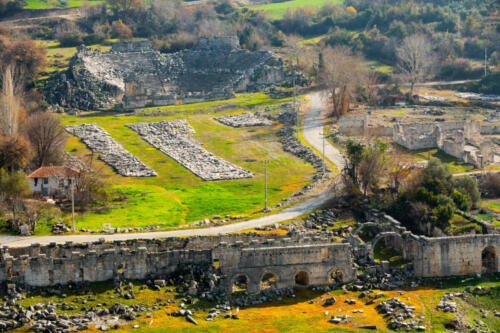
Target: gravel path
x=313, y=129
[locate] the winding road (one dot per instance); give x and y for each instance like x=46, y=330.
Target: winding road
x=312, y=133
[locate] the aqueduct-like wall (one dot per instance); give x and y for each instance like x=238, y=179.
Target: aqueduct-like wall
x=300, y=260
x=253, y=255
x=290, y=264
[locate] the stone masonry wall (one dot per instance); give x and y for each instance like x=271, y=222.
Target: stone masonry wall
x=53, y=264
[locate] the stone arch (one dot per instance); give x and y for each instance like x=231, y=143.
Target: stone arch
x=241, y=282
x=489, y=260
x=269, y=280
x=336, y=276
x=301, y=279
x=367, y=230
x=384, y=236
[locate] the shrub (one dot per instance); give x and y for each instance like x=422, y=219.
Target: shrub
x=94, y=39
x=70, y=39
x=461, y=200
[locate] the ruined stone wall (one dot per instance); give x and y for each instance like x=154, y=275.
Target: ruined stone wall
x=416, y=135
x=363, y=126
x=53, y=264
x=285, y=260
x=461, y=255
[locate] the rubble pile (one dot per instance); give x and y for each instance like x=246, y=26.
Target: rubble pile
x=113, y=154
x=173, y=139
x=246, y=119
x=446, y=304
x=400, y=313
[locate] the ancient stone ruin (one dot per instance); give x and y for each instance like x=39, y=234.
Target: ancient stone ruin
x=461, y=139
x=468, y=140
x=250, y=261
x=173, y=139
x=112, y=153
x=246, y=119
x=134, y=75
x=296, y=261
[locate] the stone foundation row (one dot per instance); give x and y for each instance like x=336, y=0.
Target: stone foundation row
x=112, y=153
x=173, y=139
x=243, y=120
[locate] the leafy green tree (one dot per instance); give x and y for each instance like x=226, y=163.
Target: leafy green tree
x=468, y=186
x=354, y=152
x=14, y=186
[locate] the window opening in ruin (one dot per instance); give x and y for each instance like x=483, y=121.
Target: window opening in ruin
x=216, y=263
x=269, y=281
x=336, y=276
x=302, y=279
x=240, y=283
x=489, y=260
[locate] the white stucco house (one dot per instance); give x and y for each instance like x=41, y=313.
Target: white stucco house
x=53, y=180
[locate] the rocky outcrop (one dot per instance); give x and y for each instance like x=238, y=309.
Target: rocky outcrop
x=173, y=139
x=99, y=141
x=246, y=119
x=134, y=75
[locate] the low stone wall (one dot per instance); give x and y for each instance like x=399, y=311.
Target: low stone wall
x=172, y=138
x=113, y=154
x=363, y=126
x=246, y=119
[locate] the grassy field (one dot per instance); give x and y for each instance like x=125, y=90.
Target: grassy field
x=278, y=10
x=177, y=196
x=304, y=313
x=49, y=4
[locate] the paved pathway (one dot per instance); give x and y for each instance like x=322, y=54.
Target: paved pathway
x=313, y=129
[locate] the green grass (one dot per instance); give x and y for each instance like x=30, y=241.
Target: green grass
x=460, y=224
x=139, y=210
x=381, y=252
x=49, y=4
x=278, y=10
x=454, y=165
x=246, y=147
x=303, y=313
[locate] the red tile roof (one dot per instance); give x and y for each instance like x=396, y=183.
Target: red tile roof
x=53, y=171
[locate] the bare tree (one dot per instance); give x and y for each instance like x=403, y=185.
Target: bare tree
x=415, y=59
x=340, y=74
x=47, y=138
x=9, y=105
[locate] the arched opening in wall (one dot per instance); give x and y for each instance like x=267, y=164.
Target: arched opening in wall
x=269, y=281
x=240, y=283
x=367, y=233
x=389, y=248
x=489, y=260
x=336, y=276
x=302, y=279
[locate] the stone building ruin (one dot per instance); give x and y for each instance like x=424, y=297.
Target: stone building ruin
x=467, y=141
x=134, y=75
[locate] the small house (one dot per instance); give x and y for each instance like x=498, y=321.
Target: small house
x=53, y=180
